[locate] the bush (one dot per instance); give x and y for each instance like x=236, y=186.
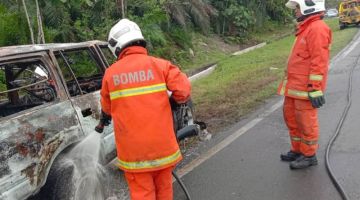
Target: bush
x=181, y=37
x=13, y=29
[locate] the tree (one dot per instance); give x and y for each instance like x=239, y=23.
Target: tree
x=276, y=10
x=29, y=23
x=167, y=25
x=41, y=36
x=13, y=29
x=196, y=13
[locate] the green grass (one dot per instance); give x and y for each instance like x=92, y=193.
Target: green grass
x=273, y=31
x=340, y=37
x=240, y=83
x=206, y=51
x=211, y=49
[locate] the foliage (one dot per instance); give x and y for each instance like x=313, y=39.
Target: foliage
x=181, y=38
x=2, y=80
x=276, y=11
x=13, y=29
x=78, y=20
x=191, y=13
x=167, y=25
x=240, y=17
x=151, y=17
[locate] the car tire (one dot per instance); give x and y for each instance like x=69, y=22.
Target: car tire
x=57, y=182
x=65, y=182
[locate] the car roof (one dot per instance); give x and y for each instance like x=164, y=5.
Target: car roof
x=21, y=49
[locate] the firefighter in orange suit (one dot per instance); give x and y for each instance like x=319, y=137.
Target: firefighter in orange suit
x=305, y=82
x=134, y=93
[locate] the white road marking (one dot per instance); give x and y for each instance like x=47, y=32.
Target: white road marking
x=351, y=48
x=344, y=52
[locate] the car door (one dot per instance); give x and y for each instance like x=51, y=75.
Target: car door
x=37, y=121
x=82, y=71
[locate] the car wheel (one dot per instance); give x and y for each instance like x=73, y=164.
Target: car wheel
x=58, y=182
x=72, y=179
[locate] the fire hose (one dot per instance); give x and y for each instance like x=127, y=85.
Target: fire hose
x=334, y=180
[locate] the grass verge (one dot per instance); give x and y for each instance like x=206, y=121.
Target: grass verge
x=240, y=83
x=212, y=48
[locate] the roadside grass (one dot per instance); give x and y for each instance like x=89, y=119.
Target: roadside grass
x=211, y=49
x=240, y=83
x=273, y=31
x=206, y=50
x=340, y=37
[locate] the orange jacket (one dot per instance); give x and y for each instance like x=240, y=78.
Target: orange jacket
x=134, y=93
x=308, y=62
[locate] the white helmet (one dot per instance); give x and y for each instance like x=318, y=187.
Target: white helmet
x=123, y=33
x=307, y=7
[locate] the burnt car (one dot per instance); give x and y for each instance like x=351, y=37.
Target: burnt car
x=49, y=100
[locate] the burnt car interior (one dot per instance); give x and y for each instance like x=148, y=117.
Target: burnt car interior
x=24, y=85
x=81, y=71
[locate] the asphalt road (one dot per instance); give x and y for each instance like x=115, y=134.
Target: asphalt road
x=249, y=168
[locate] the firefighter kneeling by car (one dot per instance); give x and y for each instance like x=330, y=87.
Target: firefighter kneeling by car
x=134, y=94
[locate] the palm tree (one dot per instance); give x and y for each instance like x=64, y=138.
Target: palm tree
x=197, y=12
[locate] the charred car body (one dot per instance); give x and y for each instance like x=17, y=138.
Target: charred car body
x=50, y=100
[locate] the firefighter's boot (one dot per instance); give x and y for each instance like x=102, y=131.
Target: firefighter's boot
x=303, y=162
x=289, y=156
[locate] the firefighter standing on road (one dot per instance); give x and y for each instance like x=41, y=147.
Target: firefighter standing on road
x=134, y=94
x=305, y=82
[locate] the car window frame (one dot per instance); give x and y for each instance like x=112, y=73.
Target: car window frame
x=93, y=52
x=107, y=64
x=44, y=58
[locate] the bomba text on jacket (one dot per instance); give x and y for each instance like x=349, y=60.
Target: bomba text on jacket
x=133, y=77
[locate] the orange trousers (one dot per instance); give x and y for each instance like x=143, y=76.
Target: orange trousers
x=154, y=185
x=302, y=121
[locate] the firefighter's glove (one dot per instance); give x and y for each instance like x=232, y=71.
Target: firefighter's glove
x=317, y=98
x=105, y=119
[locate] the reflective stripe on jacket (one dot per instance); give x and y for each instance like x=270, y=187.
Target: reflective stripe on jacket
x=308, y=62
x=134, y=92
